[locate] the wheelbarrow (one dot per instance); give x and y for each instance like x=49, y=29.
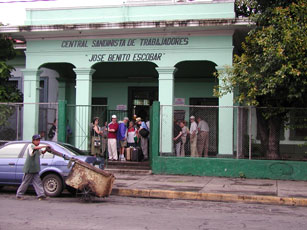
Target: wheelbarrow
x=88, y=180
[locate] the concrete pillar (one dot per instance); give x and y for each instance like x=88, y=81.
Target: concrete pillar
x=225, y=145
x=62, y=121
x=83, y=106
x=166, y=98
x=62, y=90
x=31, y=100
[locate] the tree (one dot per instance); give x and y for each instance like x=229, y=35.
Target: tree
x=8, y=93
x=271, y=71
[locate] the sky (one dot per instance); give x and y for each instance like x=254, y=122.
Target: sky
x=13, y=12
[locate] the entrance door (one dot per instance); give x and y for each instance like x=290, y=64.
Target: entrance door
x=140, y=99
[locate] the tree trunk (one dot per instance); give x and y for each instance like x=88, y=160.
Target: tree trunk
x=274, y=137
x=269, y=132
x=263, y=132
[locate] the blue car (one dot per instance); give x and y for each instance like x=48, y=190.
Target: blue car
x=54, y=169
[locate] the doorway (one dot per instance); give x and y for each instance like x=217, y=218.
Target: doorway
x=99, y=109
x=140, y=99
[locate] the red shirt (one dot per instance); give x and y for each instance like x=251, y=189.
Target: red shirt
x=112, y=135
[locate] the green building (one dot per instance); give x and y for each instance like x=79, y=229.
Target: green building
x=127, y=57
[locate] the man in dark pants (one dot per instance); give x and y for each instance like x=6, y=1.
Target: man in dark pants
x=31, y=169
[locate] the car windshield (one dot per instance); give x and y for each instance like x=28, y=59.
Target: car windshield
x=71, y=149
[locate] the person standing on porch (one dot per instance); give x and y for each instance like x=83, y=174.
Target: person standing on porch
x=104, y=139
x=96, y=141
x=52, y=134
x=185, y=131
x=122, y=137
x=202, y=137
x=144, y=140
x=131, y=134
x=193, y=137
x=112, y=144
x=177, y=133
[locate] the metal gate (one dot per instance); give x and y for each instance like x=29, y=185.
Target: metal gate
x=12, y=119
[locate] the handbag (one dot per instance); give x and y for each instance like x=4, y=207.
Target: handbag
x=97, y=142
x=144, y=132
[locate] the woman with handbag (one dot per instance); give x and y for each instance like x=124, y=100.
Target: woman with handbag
x=96, y=141
x=185, y=137
x=143, y=134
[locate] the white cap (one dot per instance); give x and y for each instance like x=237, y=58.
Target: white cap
x=126, y=118
x=113, y=116
x=192, y=117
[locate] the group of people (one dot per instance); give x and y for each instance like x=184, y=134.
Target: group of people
x=194, y=140
x=115, y=136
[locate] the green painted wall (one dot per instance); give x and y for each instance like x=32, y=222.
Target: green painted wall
x=126, y=13
x=188, y=89
x=258, y=169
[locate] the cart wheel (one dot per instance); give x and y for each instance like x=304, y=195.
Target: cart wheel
x=87, y=194
x=72, y=190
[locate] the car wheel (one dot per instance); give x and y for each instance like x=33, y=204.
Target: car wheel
x=53, y=185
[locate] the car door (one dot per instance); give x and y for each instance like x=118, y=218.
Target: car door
x=45, y=161
x=8, y=161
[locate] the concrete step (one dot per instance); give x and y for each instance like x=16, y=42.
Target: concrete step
x=127, y=165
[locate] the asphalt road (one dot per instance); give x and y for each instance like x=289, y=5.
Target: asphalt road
x=67, y=212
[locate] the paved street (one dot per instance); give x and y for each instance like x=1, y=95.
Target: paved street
x=116, y=212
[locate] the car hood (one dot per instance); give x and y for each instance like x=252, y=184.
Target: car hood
x=87, y=159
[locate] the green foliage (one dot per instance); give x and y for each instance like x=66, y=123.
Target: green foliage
x=272, y=70
x=8, y=93
x=255, y=8
x=7, y=51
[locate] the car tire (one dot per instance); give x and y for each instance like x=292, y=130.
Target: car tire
x=53, y=185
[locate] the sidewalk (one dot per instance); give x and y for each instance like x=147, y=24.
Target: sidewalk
x=211, y=188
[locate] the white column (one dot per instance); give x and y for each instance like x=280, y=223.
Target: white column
x=83, y=106
x=225, y=123
x=31, y=100
x=166, y=98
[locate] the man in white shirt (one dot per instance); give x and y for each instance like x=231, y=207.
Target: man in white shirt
x=193, y=137
x=202, y=137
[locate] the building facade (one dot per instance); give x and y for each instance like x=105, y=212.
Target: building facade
x=97, y=61
x=127, y=57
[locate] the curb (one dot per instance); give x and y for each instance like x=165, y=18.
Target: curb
x=222, y=197
x=129, y=171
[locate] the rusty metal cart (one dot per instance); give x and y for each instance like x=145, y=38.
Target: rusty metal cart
x=88, y=180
